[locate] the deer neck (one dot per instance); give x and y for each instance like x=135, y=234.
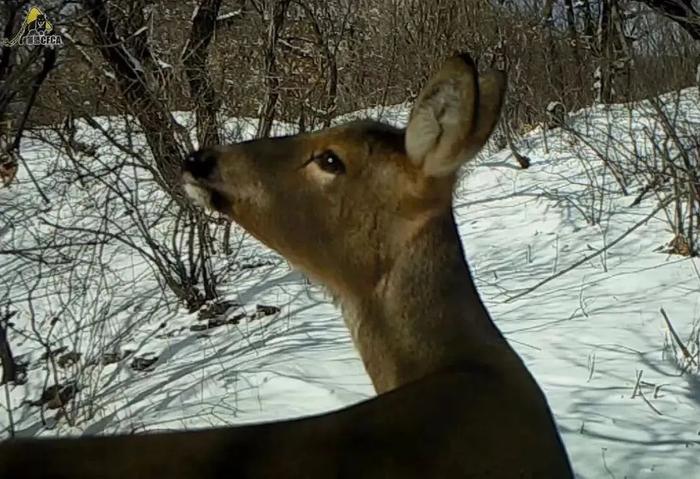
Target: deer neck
x=425, y=314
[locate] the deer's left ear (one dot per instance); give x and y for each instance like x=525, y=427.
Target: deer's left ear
x=453, y=116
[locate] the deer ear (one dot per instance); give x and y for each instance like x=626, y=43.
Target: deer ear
x=453, y=116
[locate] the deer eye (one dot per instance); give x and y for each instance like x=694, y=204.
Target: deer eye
x=330, y=163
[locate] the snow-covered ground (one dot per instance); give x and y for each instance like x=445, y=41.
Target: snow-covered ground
x=594, y=337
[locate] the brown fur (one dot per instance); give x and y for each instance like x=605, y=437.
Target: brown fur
x=455, y=399
x=8, y=171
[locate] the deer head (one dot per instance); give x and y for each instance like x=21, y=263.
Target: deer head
x=348, y=199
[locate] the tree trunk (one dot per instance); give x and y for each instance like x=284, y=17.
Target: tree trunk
x=204, y=96
x=680, y=11
x=573, y=33
x=614, y=55
x=588, y=24
x=552, y=61
x=277, y=10
x=329, y=55
x=603, y=80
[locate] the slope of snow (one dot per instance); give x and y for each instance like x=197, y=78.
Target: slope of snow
x=593, y=338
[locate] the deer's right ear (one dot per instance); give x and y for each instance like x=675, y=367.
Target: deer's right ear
x=453, y=116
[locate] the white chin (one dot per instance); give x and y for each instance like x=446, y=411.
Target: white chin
x=199, y=195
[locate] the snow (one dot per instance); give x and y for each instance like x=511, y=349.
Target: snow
x=593, y=337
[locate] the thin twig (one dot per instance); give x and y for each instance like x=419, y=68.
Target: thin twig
x=637, y=384
x=677, y=339
x=641, y=393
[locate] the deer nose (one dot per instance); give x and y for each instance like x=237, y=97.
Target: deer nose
x=200, y=164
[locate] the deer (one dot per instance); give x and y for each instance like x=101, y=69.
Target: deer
x=366, y=210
